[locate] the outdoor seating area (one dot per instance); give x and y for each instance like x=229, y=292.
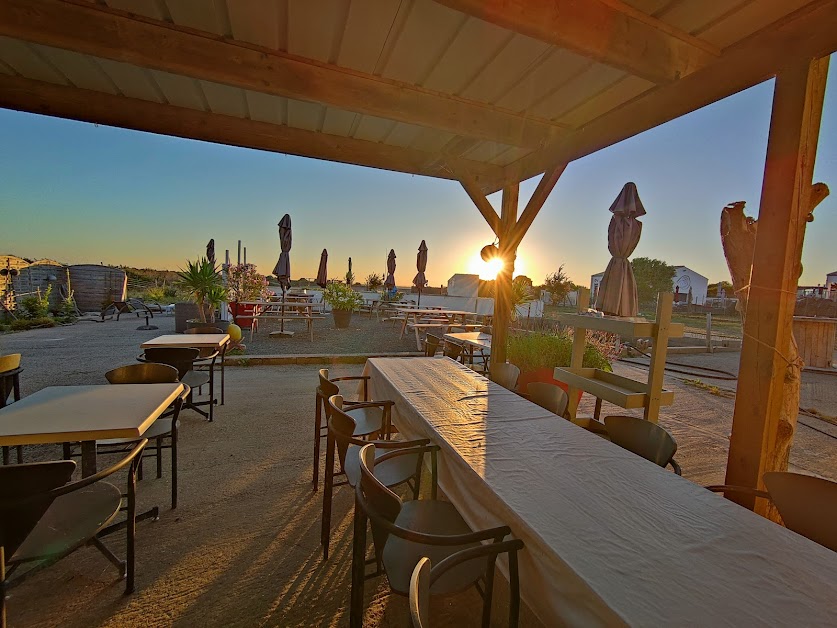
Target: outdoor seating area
x=413, y=454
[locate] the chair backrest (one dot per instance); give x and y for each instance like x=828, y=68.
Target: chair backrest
x=143, y=373
x=341, y=426
x=808, y=505
x=27, y=481
x=9, y=362
x=378, y=501
x=203, y=330
x=431, y=345
x=504, y=374
x=452, y=350
x=548, y=396
x=180, y=358
x=642, y=437
x=327, y=388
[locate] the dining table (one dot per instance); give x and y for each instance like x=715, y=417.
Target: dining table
x=472, y=340
x=85, y=414
x=213, y=342
x=610, y=538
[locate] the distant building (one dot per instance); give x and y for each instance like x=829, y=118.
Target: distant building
x=461, y=285
x=831, y=284
x=688, y=286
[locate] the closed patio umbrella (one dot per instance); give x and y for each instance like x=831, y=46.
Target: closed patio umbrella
x=349, y=274
x=390, y=280
x=419, y=281
x=617, y=292
x=210, y=251
x=322, y=272
x=282, y=270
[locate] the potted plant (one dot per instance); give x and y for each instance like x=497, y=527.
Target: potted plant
x=537, y=354
x=244, y=283
x=343, y=301
x=200, y=280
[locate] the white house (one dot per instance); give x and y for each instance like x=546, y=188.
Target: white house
x=688, y=286
x=831, y=284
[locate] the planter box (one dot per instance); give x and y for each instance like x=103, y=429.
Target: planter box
x=183, y=312
x=618, y=390
x=242, y=314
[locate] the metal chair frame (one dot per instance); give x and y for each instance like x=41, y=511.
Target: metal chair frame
x=10, y=383
x=184, y=366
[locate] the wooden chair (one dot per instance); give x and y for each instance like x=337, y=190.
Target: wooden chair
x=209, y=329
x=431, y=345
x=372, y=421
x=184, y=359
x=10, y=382
x=643, y=438
x=504, y=374
x=807, y=504
x=452, y=350
x=404, y=532
x=548, y=396
x=44, y=519
x=342, y=427
x=423, y=578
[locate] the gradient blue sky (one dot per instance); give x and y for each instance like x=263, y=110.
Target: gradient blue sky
x=79, y=193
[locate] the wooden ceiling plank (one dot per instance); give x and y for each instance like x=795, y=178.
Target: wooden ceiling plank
x=807, y=33
x=644, y=47
x=24, y=94
x=103, y=32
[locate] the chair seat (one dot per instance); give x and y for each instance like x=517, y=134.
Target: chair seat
x=390, y=472
x=160, y=427
x=71, y=521
x=367, y=420
x=195, y=379
x=401, y=556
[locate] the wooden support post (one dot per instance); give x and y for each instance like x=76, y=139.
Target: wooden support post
x=709, y=332
x=579, y=344
x=758, y=436
x=503, y=283
x=656, y=370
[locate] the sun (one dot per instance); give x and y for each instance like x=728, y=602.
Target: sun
x=486, y=270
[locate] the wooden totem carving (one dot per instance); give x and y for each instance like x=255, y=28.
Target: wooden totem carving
x=738, y=237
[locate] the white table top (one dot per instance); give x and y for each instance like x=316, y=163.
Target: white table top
x=473, y=338
x=610, y=537
x=197, y=341
x=60, y=414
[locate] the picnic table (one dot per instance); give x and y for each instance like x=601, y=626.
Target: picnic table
x=610, y=538
x=65, y=414
x=422, y=319
x=291, y=309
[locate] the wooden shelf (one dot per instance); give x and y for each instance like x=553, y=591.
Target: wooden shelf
x=616, y=389
x=622, y=326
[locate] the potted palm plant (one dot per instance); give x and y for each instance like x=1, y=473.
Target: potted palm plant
x=537, y=354
x=343, y=301
x=201, y=281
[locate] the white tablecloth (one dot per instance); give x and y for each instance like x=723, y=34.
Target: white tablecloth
x=610, y=537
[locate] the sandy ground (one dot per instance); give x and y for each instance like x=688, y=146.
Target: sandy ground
x=242, y=549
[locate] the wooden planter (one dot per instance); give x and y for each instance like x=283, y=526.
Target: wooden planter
x=183, y=312
x=342, y=318
x=245, y=312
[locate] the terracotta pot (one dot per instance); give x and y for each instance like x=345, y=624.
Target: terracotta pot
x=342, y=318
x=240, y=310
x=543, y=374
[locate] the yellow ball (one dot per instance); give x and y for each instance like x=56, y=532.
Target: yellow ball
x=235, y=333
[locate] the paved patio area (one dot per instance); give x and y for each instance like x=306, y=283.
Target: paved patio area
x=242, y=549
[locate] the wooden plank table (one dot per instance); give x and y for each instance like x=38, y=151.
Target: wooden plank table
x=62, y=414
x=610, y=538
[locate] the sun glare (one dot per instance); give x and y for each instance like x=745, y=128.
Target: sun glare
x=489, y=270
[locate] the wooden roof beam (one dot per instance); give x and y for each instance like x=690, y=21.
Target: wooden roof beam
x=483, y=204
x=103, y=32
x=807, y=33
x=599, y=30
x=33, y=96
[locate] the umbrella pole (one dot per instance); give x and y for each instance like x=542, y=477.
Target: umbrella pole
x=419, y=297
x=282, y=321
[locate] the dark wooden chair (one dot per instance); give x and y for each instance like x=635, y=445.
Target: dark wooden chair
x=371, y=422
x=807, y=504
x=452, y=350
x=341, y=437
x=10, y=383
x=184, y=359
x=643, y=438
x=504, y=374
x=431, y=345
x=404, y=532
x=425, y=576
x=548, y=396
x=209, y=362
x=43, y=518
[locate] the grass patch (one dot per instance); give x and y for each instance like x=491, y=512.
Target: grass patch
x=712, y=390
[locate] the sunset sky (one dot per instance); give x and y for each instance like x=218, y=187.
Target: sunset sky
x=82, y=193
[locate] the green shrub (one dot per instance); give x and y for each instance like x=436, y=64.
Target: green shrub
x=23, y=324
x=341, y=297
x=532, y=351
x=35, y=305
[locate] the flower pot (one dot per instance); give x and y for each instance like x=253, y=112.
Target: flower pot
x=242, y=314
x=342, y=318
x=543, y=374
x=183, y=312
